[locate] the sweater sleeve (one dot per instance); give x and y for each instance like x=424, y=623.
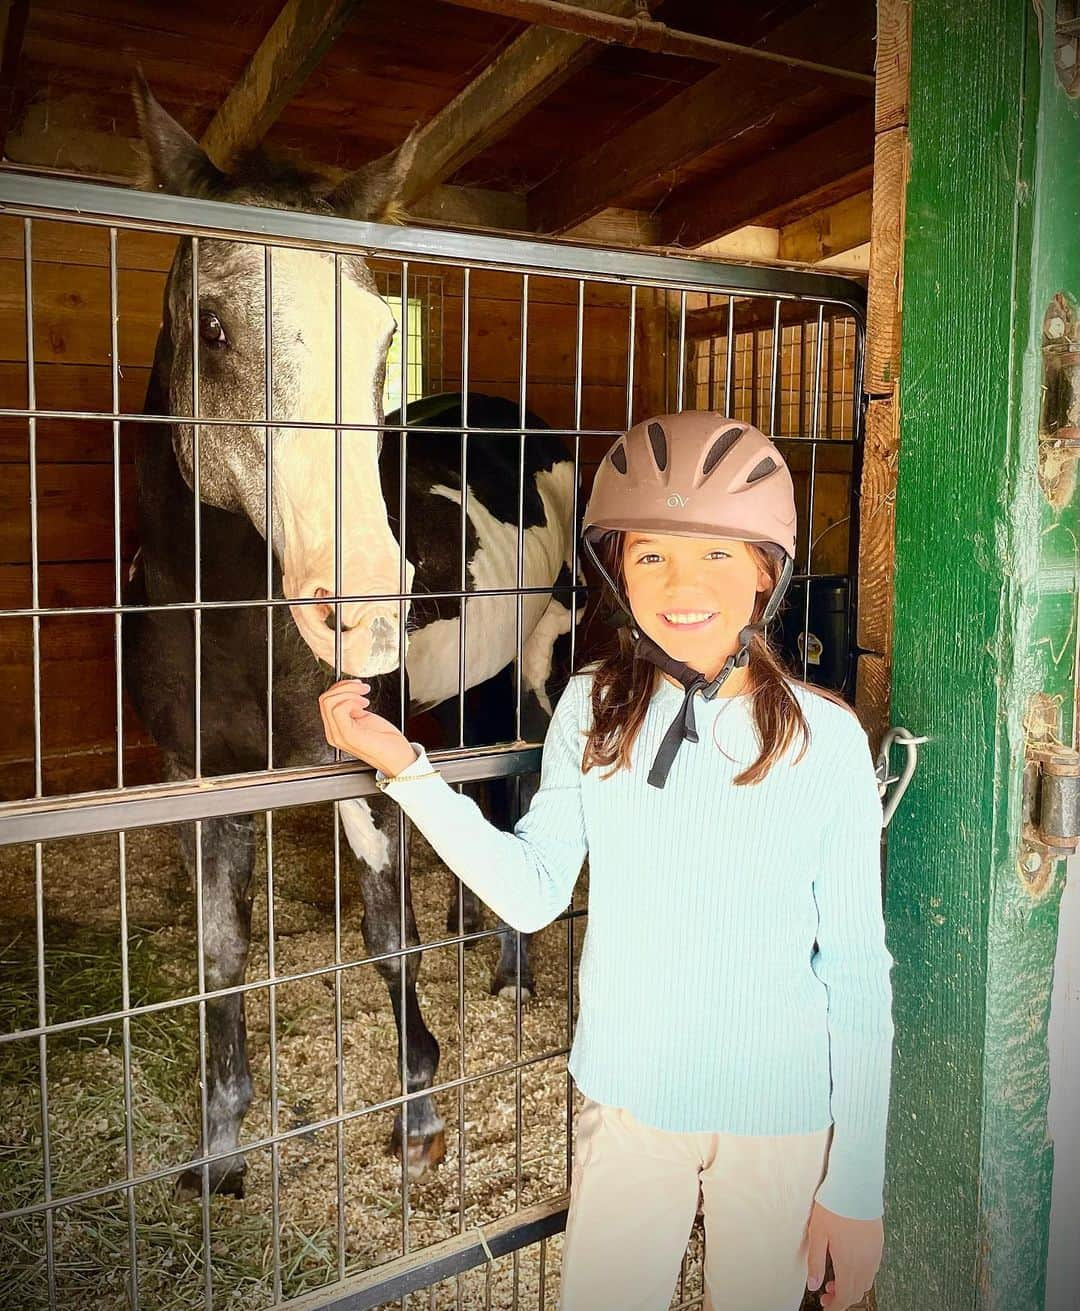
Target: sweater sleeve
x=854, y=964
x=527, y=876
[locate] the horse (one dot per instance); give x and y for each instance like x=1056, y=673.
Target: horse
x=397, y=571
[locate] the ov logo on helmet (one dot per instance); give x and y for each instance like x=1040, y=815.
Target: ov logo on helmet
x=677, y=502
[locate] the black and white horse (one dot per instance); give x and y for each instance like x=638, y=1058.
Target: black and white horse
x=159, y=645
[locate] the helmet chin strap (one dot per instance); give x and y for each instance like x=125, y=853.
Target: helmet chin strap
x=683, y=727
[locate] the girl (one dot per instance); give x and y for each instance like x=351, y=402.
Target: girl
x=735, y=1031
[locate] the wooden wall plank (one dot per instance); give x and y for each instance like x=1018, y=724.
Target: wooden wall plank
x=892, y=71
x=877, y=515
x=891, y=160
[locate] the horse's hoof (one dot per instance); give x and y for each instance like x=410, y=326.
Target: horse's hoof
x=425, y=1151
x=510, y=990
x=189, y=1185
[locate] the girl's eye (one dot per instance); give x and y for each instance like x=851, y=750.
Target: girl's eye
x=717, y=555
x=648, y=557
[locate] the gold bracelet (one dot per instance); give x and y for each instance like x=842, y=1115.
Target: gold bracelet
x=383, y=783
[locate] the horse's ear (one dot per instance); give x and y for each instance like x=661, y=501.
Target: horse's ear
x=174, y=160
x=373, y=193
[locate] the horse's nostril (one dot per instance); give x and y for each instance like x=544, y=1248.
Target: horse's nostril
x=331, y=622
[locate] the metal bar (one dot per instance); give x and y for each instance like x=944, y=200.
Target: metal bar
x=337, y=585
x=579, y=347
x=523, y=366
x=257, y=1144
x=45, y=818
x=204, y=1111
x=631, y=346
x=271, y=999
x=729, y=375
x=268, y=443
x=83, y=202
x=339, y=1049
x=396, y=1279
x=464, y=522
x=118, y=650
x=129, y=1104
x=646, y=34
x=197, y=610
x=815, y=422
x=680, y=380
x=235, y=989
x=402, y=828
x=44, y=611
x=39, y=881
x=774, y=382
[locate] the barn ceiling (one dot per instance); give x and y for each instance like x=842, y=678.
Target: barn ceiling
x=523, y=127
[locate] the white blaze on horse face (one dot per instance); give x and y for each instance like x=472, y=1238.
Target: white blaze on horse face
x=232, y=466
x=305, y=464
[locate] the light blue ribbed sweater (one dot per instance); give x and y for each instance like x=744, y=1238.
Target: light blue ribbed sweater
x=704, y=1006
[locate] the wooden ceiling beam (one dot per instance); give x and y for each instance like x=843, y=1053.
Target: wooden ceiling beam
x=734, y=96
x=529, y=70
x=297, y=40
x=761, y=189
x=833, y=230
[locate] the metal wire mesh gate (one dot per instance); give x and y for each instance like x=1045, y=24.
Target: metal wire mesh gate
x=590, y=339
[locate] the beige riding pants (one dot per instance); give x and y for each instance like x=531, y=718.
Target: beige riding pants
x=634, y=1194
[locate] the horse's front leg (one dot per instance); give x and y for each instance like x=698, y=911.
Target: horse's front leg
x=374, y=840
x=228, y=857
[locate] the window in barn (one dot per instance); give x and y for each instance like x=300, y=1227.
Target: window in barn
x=751, y=366
x=424, y=334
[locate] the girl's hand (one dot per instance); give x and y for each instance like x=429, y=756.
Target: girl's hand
x=855, y=1246
x=351, y=727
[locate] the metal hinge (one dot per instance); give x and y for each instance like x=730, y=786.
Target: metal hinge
x=1051, y=808
x=884, y=778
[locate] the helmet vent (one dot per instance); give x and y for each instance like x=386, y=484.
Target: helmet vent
x=719, y=449
x=761, y=470
x=618, y=457
x=658, y=442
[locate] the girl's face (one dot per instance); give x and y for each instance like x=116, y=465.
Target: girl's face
x=692, y=595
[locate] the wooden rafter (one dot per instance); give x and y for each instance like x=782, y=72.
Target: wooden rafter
x=527, y=72
x=728, y=100
x=297, y=40
x=830, y=231
x=759, y=190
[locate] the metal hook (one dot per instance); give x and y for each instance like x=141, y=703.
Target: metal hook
x=911, y=743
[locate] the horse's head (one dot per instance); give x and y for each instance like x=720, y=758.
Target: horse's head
x=232, y=381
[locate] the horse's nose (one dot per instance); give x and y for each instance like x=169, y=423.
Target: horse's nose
x=383, y=632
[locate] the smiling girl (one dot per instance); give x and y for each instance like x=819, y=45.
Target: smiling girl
x=734, y=1035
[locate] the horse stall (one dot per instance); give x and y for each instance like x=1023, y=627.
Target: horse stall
x=267, y=419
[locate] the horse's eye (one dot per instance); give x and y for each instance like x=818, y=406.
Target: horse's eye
x=210, y=330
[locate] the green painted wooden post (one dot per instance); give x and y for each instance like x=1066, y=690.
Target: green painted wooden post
x=986, y=583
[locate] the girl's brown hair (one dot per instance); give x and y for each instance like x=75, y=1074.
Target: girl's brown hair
x=623, y=687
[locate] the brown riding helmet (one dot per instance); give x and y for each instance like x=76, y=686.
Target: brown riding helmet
x=697, y=473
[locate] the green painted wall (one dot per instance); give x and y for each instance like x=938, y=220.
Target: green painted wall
x=985, y=604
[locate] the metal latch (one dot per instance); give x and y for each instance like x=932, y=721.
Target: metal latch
x=1051, y=807
x=911, y=744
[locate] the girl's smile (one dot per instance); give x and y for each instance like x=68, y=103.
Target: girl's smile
x=688, y=619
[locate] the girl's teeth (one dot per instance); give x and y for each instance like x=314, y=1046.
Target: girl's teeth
x=698, y=617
